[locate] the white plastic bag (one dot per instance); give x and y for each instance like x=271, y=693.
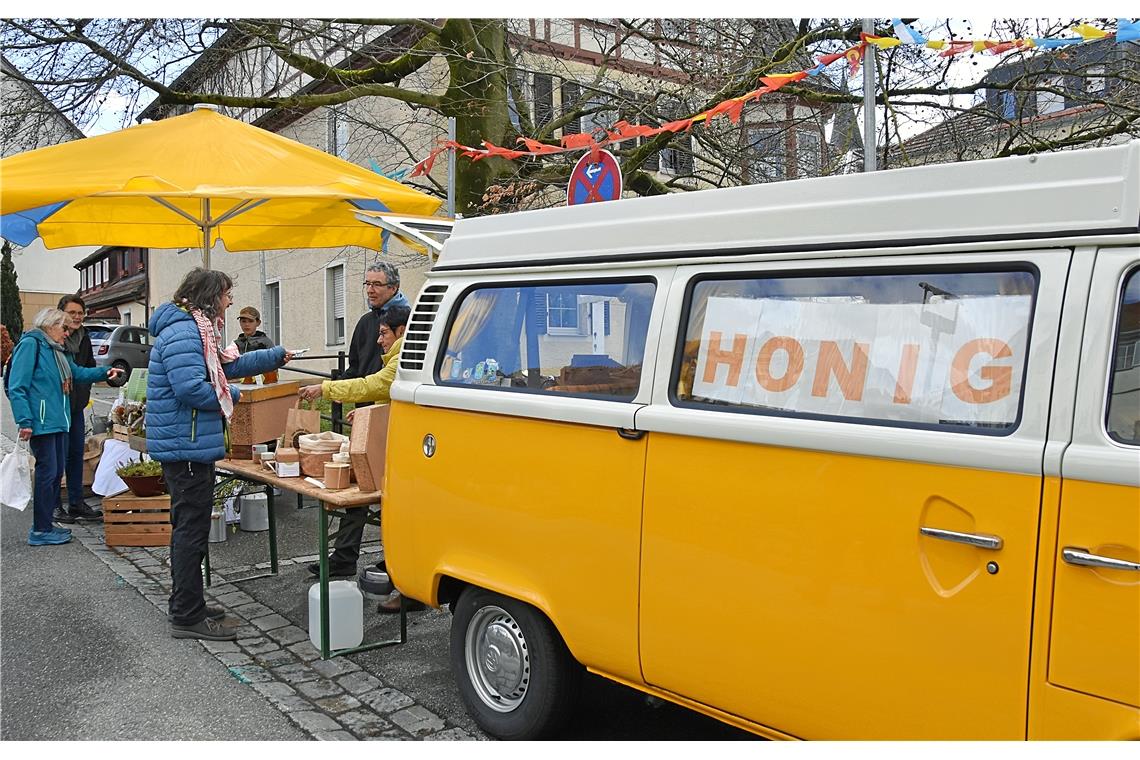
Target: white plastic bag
x=16, y=477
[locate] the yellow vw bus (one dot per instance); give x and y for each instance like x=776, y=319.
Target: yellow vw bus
x=850, y=457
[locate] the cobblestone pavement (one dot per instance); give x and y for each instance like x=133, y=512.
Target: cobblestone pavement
x=332, y=700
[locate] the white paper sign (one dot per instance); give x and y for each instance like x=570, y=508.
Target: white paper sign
x=957, y=360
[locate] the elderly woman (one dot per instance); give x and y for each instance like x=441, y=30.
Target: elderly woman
x=189, y=401
x=40, y=382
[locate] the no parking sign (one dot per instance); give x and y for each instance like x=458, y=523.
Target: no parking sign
x=593, y=182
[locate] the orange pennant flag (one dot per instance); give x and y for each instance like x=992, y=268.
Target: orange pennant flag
x=954, y=47
x=539, y=148
x=854, y=57
x=776, y=81
x=579, y=140
x=680, y=125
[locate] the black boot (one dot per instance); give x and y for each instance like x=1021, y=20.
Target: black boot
x=85, y=513
x=61, y=515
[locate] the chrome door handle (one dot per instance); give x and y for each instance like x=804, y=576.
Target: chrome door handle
x=1075, y=556
x=980, y=540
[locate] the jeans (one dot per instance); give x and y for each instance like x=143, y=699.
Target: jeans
x=191, y=486
x=75, y=445
x=50, y=451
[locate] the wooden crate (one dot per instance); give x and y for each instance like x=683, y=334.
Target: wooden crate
x=130, y=520
x=120, y=432
x=259, y=415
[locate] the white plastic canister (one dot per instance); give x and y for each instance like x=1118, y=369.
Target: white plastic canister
x=346, y=615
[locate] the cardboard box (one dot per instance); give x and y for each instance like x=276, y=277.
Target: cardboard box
x=259, y=415
x=367, y=446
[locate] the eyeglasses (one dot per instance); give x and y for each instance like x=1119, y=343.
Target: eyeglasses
x=373, y=284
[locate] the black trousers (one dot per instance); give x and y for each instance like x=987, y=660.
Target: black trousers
x=191, y=486
x=350, y=532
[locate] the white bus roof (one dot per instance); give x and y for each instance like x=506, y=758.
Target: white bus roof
x=1081, y=192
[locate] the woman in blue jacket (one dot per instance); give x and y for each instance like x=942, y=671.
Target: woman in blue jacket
x=40, y=381
x=188, y=402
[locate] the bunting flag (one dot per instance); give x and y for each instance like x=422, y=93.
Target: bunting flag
x=1126, y=30
x=906, y=33
x=1089, y=33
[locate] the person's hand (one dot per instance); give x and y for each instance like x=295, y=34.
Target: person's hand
x=288, y=357
x=113, y=373
x=348, y=418
x=25, y=433
x=311, y=392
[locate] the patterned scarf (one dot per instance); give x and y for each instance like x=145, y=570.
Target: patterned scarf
x=61, y=362
x=215, y=358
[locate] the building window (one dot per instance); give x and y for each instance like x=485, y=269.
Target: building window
x=334, y=304
x=766, y=155
x=1095, y=81
x=677, y=159
x=1051, y=102
x=570, y=93
x=808, y=154
x=98, y=274
x=543, y=99
x=124, y=262
x=272, y=322
x=1008, y=105
x=107, y=269
x=562, y=313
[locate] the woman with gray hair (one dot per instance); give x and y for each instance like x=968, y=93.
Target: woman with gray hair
x=40, y=382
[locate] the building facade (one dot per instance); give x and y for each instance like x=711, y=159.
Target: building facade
x=113, y=283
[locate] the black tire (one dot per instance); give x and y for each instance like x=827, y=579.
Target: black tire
x=522, y=655
x=123, y=378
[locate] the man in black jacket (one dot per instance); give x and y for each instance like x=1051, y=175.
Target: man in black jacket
x=78, y=344
x=382, y=289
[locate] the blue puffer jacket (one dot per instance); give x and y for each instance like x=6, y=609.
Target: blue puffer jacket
x=36, y=389
x=183, y=417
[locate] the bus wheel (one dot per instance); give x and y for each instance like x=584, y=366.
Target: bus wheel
x=514, y=672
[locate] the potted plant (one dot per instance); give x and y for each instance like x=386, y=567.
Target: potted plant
x=144, y=478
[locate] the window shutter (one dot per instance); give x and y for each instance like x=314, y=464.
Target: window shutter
x=570, y=92
x=338, y=294
x=685, y=153
x=607, y=319
x=540, y=306
x=543, y=99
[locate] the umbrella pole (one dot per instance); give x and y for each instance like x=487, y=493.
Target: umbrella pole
x=206, y=227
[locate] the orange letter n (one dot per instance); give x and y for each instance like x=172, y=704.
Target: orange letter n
x=831, y=362
x=716, y=356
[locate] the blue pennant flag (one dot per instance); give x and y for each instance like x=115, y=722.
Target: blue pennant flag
x=1046, y=43
x=1127, y=30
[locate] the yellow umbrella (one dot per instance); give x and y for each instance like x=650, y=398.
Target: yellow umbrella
x=191, y=181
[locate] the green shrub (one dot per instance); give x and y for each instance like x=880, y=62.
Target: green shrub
x=135, y=469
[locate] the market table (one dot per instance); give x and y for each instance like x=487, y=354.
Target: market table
x=331, y=503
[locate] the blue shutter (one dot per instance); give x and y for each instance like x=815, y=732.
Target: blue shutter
x=607, y=305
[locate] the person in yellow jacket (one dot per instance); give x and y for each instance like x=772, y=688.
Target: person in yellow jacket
x=377, y=386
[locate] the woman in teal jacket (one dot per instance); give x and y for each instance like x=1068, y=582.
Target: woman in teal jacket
x=39, y=383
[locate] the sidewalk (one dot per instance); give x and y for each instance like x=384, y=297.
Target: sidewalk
x=87, y=652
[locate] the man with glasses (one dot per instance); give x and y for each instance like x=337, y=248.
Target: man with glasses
x=78, y=344
x=382, y=289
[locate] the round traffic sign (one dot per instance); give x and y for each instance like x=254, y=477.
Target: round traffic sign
x=593, y=182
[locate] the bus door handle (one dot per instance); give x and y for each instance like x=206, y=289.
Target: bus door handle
x=631, y=435
x=980, y=540
x=1081, y=557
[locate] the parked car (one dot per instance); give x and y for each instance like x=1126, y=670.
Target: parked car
x=99, y=332
x=124, y=346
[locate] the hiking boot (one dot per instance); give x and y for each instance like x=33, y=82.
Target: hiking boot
x=214, y=613
x=61, y=515
x=206, y=629
x=48, y=537
x=85, y=513
x=335, y=570
x=392, y=604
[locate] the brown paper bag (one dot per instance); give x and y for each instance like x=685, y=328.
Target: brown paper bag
x=300, y=421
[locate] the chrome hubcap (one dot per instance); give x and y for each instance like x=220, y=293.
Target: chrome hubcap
x=498, y=661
